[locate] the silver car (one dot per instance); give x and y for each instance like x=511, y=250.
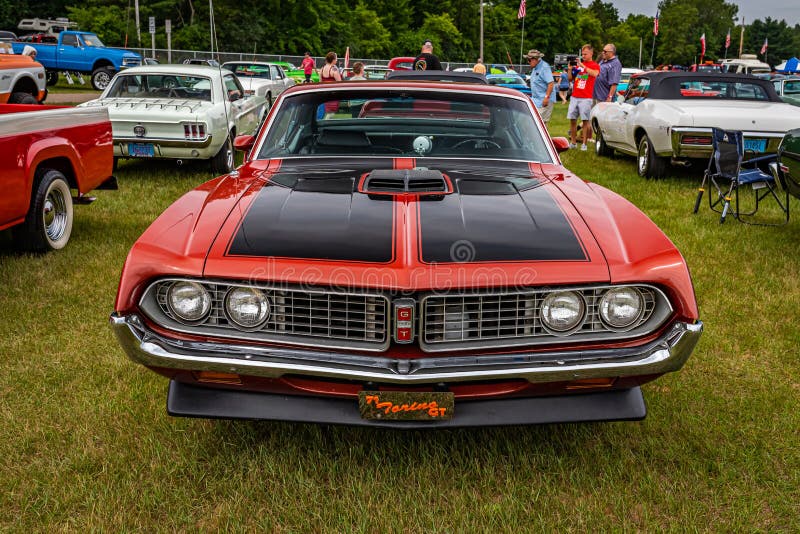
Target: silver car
x=260, y=78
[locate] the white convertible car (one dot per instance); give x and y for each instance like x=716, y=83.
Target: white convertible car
x=180, y=112
x=260, y=78
x=667, y=117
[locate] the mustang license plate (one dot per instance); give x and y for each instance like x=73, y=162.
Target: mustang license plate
x=406, y=405
x=141, y=150
x=756, y=145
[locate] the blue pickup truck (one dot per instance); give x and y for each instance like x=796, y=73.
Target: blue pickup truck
x=81, y=52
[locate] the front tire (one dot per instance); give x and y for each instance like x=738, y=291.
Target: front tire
x=600, y=146
x=51, y=77
x=101, y=77
x=648, y=163
x=22, y=98
x=48, y=224
x=223, y=162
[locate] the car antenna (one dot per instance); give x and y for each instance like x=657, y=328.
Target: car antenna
x=213, y=30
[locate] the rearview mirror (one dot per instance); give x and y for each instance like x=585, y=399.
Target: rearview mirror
x=244, y=143
x=560, y=143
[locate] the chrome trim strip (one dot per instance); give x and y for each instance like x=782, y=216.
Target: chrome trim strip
x=161, y=141
x=50, y=119
x=667, y=353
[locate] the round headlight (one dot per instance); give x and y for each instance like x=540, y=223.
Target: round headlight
x=562, y=311
x=248, y=307
x=621, y=307
x=189, y=301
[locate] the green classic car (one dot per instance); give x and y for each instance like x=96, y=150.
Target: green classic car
x=296, y=73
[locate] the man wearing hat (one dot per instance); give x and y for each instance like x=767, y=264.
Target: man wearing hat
x=541, y=84
x=426, y=60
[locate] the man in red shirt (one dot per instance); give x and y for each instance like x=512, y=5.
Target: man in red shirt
x=583, y=76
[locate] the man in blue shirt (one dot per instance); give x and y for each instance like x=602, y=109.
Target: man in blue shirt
x=605, y=86
x=541, y=84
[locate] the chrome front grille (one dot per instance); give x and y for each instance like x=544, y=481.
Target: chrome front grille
x=452, y=322
x=311, y=317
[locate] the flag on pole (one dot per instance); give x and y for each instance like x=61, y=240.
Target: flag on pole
x=655, y=24
x=728, y=39
x=764, y=48
x=703, y=45
x=346, y=58
x=521, y=12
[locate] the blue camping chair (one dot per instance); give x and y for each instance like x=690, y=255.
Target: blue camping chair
x=728, y=172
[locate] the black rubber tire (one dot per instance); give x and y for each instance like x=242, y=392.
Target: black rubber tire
x=102, y=76
x=48, y=223
x=648, y=163
x=223, y=162
x=600, y=146
x=269, y=100
x=51, y=77
x=22, y=98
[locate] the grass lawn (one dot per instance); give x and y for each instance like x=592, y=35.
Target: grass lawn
x=85, y=442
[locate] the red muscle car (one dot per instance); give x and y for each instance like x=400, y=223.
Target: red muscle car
x=45, y=152
x=405, y=254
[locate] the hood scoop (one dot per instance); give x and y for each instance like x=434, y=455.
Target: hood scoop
x=391, y=181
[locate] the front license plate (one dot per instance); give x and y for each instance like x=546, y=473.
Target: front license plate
x=756, y=145
x=141, y=150
x=406, y=405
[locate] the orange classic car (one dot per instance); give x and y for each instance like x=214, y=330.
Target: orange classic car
x=408, y=253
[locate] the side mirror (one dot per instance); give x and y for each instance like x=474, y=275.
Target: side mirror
x=561, y=144
x=244, y=143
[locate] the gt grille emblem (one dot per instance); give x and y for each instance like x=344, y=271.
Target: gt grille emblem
x=139, y=130
x=404, y=320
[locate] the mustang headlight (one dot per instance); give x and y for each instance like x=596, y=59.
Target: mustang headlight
x=563, y=311
x=189, y=301
x=247, y=307
x=621, y=307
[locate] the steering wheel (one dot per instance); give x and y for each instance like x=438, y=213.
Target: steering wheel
x=480, y=143
x=172, y=93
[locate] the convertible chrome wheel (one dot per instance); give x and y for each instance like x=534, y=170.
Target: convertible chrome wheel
x=648, y=164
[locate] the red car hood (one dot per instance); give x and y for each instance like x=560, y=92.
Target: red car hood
x=511, y=225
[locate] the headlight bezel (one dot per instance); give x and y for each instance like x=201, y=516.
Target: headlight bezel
x=632, y=323
x=226, y=306
x=580, y=318
x=205, y=297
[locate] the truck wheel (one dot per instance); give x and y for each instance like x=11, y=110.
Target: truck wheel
x=48, y=223
x=22, y=98
x=52, y=77
x=223, y=162
x=101, y=77
x=648, y=164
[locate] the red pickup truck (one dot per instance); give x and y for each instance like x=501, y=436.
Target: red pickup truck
x=46, y=153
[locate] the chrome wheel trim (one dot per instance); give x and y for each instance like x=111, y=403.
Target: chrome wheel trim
x=54, y=214
x=644, y=150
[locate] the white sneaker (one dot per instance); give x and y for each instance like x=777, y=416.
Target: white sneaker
x=583, y=148
x=573, y=145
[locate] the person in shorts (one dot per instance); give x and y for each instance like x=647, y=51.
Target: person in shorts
x=582, y=76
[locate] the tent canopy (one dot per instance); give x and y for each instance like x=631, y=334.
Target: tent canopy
x=790, y=65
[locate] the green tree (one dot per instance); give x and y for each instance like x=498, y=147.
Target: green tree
x=780, y=36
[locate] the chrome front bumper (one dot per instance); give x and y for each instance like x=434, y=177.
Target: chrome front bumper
x=665, y=354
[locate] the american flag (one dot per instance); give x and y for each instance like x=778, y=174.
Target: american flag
x=521, y=12
x=346, y=58
x=764, y=48
x=655, y=24
x=728, y=39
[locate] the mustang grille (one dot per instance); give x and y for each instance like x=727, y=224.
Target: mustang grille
x=502, y=319
x=356, y=319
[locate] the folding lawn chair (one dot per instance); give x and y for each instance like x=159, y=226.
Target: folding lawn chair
x=728, y=172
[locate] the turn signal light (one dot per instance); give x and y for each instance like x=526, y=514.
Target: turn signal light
x=214, y=377
x=591, y=383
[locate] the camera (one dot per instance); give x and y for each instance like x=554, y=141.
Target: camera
x=572, y=61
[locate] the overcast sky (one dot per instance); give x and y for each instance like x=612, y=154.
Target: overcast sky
x=788, y=10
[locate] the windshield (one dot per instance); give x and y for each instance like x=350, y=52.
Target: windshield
x=404, y=123
x=160, y=86
x=248, y=70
